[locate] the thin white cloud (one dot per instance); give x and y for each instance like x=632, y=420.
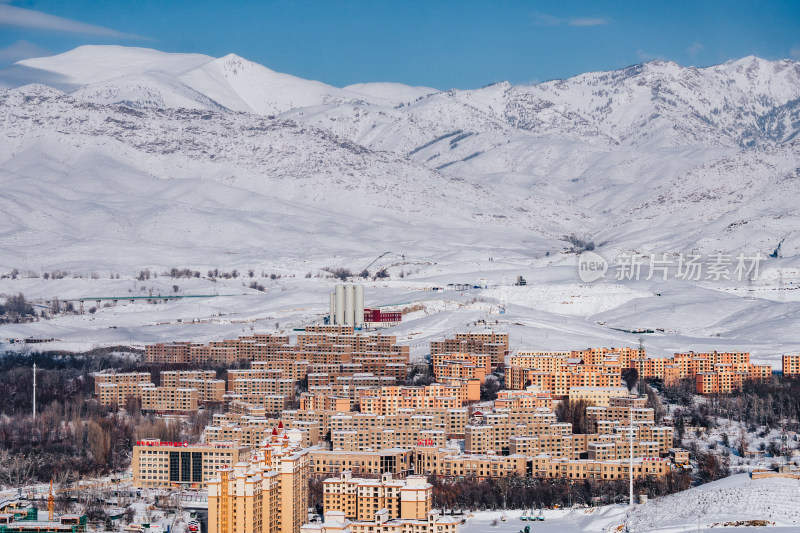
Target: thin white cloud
x=21, y=50
x=543, y=19
x=597, y=21
x=695, y=49
x=28, y=18
x=794, y=53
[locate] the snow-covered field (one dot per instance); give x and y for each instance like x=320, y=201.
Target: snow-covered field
x=550, y=313
x=705, y=508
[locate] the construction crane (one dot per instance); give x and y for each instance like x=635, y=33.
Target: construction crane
x=50, y=503
x=376, y=260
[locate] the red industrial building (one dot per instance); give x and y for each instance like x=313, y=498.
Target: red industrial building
x=376, y=316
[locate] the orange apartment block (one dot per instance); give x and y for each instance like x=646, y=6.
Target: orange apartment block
x=335, y=329
x=172, y=353
x=713, y=372
x=559, y=382
x=791, y=365
x=517, y=400
x=388, y=400
x=470, y=366
x=600, y=396
x=272, y=403
x=324, y=402
x=290, y=368
x=495, y=345
x=209, y=390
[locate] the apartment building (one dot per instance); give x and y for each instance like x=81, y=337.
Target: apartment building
x=360, y=499
x=272, y=403
x=389, y=400
x=791, y=365
x=180, y=464
x=559, y=382
x=382, y=438
x=599, y=396
x=113, y=388
x=208, y=390
x=325, y=402
x=451, y=422
x=449, y=462
x=495, y=345
x=269, y=493
x=382, y=505
x=172, y=378
x=576, y=469
x=395, y=461
x=172, y=353
x=713, y=372
x=117, y=394
x=524, y=400
x=169, y=400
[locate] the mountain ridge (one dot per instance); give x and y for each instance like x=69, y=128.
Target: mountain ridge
x=710, y=154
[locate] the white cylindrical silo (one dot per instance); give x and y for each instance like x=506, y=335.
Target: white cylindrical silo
x=359, y=306
x=332, y=312
x=349, y=309
x=339, y=303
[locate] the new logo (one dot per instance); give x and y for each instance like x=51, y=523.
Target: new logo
x=591, y=267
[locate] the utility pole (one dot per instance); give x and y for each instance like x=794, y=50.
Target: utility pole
x=630, y=442
x=34, y=392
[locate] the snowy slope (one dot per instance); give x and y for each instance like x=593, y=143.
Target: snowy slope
x=116, y=159
x=706, y=508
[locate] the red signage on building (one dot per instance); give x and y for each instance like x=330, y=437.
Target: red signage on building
x=158, y=443
x=424, y=442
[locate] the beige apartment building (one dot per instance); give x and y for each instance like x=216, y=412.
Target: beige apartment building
x=268, y=493
x=383, y=505
x=395, y=461
x=180, y=464
x=355, y=440
x=169, y=400
x=361, y=498
x=600, y=396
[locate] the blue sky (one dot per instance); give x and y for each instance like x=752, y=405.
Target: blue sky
x=442, y=44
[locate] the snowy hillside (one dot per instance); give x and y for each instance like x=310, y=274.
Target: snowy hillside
x=116, y=159
x=772, y=503
x=656, y=157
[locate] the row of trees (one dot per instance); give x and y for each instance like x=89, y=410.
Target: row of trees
x=16, y=309
x=519, y=492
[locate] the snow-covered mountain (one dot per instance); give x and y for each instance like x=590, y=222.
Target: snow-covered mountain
x=190, y=159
